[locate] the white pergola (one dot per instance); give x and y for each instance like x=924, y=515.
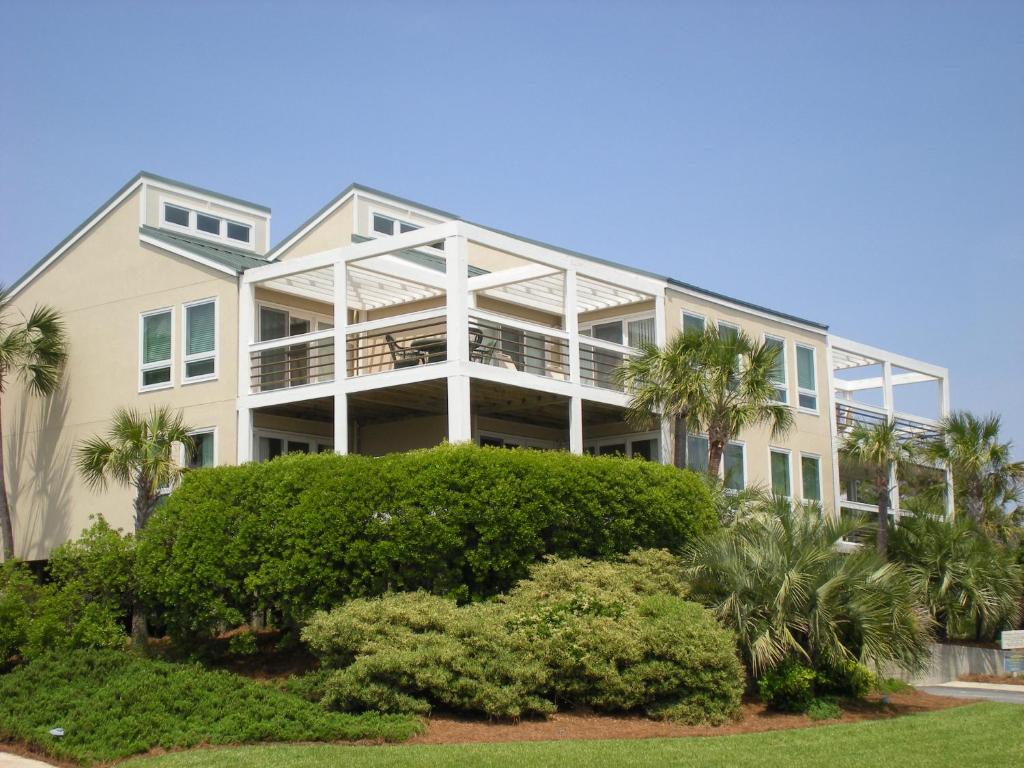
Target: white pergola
x=851, y=356
x=385, y=273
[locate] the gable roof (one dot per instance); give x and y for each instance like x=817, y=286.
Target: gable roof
x=273, y=253
x=112, y=202
x=234, y=259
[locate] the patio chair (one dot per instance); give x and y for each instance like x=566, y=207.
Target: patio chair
x=402, y=357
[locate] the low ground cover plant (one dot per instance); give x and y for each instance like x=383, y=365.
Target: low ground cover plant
x=307, y=532
x=610, y=636
x=113, y=704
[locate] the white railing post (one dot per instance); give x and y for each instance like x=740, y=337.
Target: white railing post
x=835, y=439
x=460, y=428
x=246, y=331
x=572, y=328
x=340, y=357
x=943, y=382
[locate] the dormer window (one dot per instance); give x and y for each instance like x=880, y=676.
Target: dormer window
x=207, y=225
x=385, y=225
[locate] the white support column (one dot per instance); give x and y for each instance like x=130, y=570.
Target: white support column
x=834, y=429
x=246, y=333
x=943, y=382
x=887, y=401
x=340, y=357
x=660, y=337
x=572, y=327
x=244, y=436
x=460, y=426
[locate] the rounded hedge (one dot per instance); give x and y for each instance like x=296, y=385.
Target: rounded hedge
x=303, y=533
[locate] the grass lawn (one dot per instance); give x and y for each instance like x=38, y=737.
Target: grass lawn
x=987, y=734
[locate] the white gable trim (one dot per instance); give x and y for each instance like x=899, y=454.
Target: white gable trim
x=313, y=224
x=187, y=255
x=83, y=230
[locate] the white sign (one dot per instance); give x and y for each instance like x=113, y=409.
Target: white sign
x=1010, y=640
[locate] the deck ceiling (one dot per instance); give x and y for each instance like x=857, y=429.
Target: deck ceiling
x=374, y=284
x=843, y=360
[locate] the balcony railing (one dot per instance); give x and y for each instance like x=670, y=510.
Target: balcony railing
x=518, y=345
x=292, y=361
x=421, y=338
x=849, y=415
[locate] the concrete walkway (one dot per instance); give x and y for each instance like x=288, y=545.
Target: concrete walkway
x=1009, y=694
x=14, y=761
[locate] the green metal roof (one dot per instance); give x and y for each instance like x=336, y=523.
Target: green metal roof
x=235, y=259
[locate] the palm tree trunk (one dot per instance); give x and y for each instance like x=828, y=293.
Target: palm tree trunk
x=716, y=446
x=882, y=540
x=679, y=449
x=975, y=505
x=6, y=526
x=140, y=632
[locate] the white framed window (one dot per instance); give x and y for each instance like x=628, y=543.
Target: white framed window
x=204, y=449
x=231, y=231
x=778, y=375
x=734, y=466
x=810, y=476
x=631, y=330
x=199, y=341
x=270, y=444
x=781, y=472
x=697, y=453
x=806, y=378
x=692, y=323
x=643, y=445
x=156, y=349
x=382, y=224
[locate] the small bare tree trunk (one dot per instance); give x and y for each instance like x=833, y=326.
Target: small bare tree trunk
x=6, y=525
x=716, y=447
x=140, y=632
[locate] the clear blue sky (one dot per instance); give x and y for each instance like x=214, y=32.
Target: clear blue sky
x=860, y=163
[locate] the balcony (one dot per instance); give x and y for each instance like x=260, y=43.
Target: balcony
x=446, y=302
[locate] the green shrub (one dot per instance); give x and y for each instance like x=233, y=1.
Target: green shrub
x=611, y=636
x=787, y=688
x=824, y=709
x=303, y=533
x=847, y=678
x=112, y=704
x=19, y=593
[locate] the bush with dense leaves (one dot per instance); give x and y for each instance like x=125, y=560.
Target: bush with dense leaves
x=84, y=605
x=611, y=636
x=112, y=704
x=303, y=533
x=789, y=687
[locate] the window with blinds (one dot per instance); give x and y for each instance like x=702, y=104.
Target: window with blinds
x=781, y=485
x=200, y=353
x=807, y=389
x=810, y=473
x=778, y=374
x=156, y=333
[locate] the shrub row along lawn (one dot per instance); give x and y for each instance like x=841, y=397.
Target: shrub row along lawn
x=113, y=704
x=979, y=734
x=308, y=532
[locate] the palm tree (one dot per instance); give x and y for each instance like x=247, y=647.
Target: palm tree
x=138, y=452
x=736, y=391
x=985, y=479
x=663, y=381
x=35, y=349
x=881, y=448
x=716, y=381
x=970, y=582
x=776, y=578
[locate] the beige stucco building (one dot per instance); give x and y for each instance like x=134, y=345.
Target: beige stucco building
x=383, y=325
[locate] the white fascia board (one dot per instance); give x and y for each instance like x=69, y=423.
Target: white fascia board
x=83, y=229
x=288, y=395
x=187, y=255
x=882, y=355
x=747, y=310
x=508, y=276
x=877, y=382
x=311, y=225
